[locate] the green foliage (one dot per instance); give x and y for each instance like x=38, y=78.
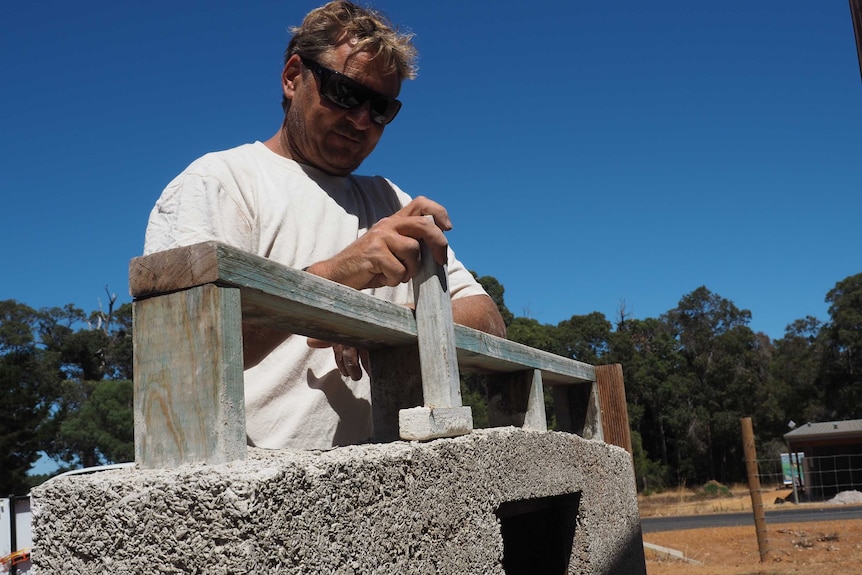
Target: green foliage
x=651, y=475
x=795, y=368
x=96, y=425
x=652, y=363
x=57, y=393
x=842, y=347
x=714, y=490
x=718, y=381
x=28, y=377
x=530, y=332
x=585, y=338
x=473, y=393
x=693, y=372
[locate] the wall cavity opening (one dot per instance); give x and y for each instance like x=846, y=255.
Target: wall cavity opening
x=538, y=534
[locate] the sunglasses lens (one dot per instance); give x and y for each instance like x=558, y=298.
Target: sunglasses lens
x=383, y=110
x=348, y=94
x=342, y=93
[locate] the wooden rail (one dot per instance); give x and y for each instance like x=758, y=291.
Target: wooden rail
x=190, y=304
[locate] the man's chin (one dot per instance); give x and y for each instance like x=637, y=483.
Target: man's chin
x=343, y=164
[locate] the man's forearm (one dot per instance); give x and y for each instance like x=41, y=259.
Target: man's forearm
x=479, y=312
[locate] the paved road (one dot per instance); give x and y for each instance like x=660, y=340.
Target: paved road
x=793, y=514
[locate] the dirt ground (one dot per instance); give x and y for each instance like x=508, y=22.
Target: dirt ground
x=818, y=548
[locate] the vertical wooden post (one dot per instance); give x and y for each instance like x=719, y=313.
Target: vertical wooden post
x=612, y=399
x=754, y=487
x=576, y=408
x=517, y=399
x=442, y=414
x=396, y=384
x=189, y=397
x=441, y=384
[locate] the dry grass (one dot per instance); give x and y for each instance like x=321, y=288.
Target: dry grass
x=688, y=501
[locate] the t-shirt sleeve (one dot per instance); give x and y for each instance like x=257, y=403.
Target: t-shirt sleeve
x=196, y=207
x=461, y=281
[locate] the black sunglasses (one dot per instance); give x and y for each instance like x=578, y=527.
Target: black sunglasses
x=347, y=93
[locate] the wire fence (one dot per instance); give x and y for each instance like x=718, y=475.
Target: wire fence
x=815, y=478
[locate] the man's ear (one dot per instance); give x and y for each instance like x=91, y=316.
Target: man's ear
x=289, y=75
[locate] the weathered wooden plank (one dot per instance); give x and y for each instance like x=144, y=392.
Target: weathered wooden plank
x=612, y=400
x=391, y=326
x=283, y=298
x=435, y=333
x=173, y=270
x=189, y=398
x=478, y=351
x=517, y=399
x=277, y=296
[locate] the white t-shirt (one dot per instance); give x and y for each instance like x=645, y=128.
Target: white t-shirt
x=260, y=202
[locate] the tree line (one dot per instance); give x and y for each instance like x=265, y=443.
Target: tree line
x=690, y=375
x=693, y=372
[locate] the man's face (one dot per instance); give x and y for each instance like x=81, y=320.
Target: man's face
x=321, y=134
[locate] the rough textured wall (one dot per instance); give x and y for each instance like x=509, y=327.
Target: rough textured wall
x=391, y=508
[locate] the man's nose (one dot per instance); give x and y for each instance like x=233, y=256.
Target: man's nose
x=360, y=116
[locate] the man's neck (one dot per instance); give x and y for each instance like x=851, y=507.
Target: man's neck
x=278, y=145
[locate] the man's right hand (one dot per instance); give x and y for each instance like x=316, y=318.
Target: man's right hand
x=388, y=253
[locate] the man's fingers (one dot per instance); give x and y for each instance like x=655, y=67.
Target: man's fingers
x=389, y=253
x=418, y=228
x=349, y=360
x=422, y=206
x=318, y=343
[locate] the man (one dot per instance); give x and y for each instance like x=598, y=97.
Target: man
x=293, y=199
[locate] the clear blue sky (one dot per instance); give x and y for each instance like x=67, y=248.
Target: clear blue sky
x=589, y=153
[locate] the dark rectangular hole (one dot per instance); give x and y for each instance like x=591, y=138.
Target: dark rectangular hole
x=538, y=534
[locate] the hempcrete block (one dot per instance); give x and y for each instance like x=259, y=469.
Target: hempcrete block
x=404, y=507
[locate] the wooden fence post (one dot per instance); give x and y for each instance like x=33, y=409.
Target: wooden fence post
x=612, y=399
x=750, y=451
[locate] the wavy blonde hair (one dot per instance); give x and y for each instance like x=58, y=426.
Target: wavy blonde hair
x=369, y=31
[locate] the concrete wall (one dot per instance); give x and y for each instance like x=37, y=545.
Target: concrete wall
x=542, y=499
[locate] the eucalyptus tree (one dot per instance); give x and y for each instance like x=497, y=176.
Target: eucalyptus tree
x=721, y=379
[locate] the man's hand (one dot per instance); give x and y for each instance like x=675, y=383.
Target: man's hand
x=350, y=360
x=388, y=253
